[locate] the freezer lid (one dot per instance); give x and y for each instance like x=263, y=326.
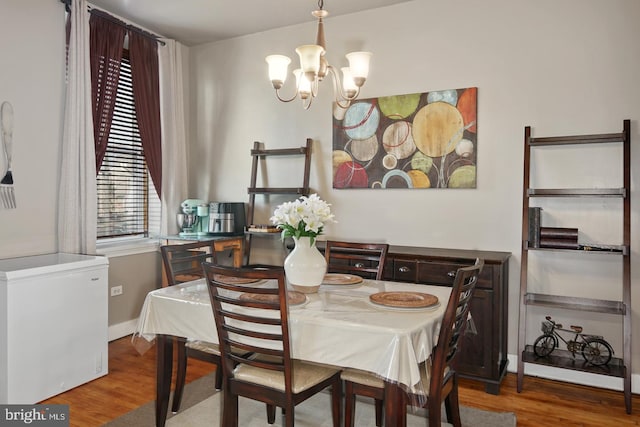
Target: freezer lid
x=12, y=268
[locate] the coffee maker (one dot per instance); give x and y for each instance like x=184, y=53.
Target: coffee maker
x=226, y=219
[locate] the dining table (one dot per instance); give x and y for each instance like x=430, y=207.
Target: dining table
x=339, y=325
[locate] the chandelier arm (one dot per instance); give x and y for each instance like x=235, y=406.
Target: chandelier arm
x=337, y=87
x=295, y=95
x=344, y=106
x=307, y=103
x=315, y=86
x=337, y=93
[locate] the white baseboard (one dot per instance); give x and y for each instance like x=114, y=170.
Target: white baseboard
x=122, y=329
x=576, y=377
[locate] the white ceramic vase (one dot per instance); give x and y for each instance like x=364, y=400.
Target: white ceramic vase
x=305, y=266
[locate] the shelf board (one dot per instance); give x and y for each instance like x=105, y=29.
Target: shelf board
x=592, y=248
x=564, y=359
x=280, y=152
x=261, y=235
x=278, y=190
x=576, y=303
x=577, y=192
x=579, y=139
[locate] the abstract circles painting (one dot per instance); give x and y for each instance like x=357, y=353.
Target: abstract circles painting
x=421, y=140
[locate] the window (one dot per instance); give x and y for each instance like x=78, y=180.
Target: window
x=128, y=204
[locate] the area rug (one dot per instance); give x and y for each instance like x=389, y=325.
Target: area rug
x=200, y=408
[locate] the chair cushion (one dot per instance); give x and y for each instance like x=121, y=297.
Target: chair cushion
x=203, y=346
x=305, y=375
x=362, y=377
x=181, y=278
x=369, y=379
x=210, y=348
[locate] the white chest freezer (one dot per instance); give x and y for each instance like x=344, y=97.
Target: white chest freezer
x=53, y=324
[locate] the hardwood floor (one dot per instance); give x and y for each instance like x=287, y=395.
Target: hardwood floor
x=131, y=383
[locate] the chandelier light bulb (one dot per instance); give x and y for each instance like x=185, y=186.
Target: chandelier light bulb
x=278, y=69
x=359, y=65
x=303, y=84
x=310, y=58
x=348, y=85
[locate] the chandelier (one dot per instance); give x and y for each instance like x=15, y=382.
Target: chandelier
x=314, y=67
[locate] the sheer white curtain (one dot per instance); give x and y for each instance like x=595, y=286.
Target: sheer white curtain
x=77, y=210
x=174, y=152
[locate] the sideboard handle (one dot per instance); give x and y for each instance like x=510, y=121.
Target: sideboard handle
x=452, y=273
x=404, y=269
x=359, y=265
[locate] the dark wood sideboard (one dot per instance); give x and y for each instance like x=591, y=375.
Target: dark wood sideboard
x=483, y=356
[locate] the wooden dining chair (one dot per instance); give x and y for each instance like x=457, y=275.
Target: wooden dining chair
x=362, y=259
x=182, y=263
x=254, y=317
x=439, y=379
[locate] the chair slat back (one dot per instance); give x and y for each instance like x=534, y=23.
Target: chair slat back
x=454, y=322
x=363, y=259
x=182, y=262
x=251, y=315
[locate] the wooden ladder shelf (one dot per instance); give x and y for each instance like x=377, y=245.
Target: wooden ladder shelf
x=617, y=367
x=260, y=155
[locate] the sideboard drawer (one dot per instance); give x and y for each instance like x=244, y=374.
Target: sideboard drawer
x=404, y=271
x=442, y=273
x=437, y=273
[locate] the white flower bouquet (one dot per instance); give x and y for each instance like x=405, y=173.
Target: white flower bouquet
x=304, y=217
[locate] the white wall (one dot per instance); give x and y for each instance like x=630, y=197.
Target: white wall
x=568, y=67
x=32, y=79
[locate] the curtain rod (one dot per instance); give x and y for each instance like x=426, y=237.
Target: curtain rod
x=115, y=20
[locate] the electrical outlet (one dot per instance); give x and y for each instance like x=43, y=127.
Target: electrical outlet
x=116, y=290
x=98, y=363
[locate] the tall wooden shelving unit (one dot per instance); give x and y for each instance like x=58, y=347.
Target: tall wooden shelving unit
x=260, y=155
x=617, y=367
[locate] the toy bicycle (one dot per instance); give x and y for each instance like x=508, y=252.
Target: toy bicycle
x=594, y=348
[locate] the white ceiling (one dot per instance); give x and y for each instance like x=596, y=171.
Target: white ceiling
x=194, y=22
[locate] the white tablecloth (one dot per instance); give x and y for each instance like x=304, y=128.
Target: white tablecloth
x=337, y=326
